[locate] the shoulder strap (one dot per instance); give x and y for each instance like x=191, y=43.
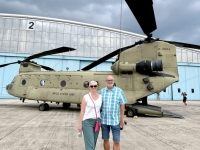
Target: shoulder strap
x=94, y=105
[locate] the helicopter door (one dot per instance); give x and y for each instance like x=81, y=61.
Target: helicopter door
x=73, y=81
x=23, y=85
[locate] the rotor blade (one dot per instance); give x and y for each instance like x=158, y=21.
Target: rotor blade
x=143, y=12
x=110, y=55
x=179, y=44
x=46, y=68
x=50, y=52
x=3, y=65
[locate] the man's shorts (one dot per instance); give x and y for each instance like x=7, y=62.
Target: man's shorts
x=115, y=132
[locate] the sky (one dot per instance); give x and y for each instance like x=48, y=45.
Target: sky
x=177, y=20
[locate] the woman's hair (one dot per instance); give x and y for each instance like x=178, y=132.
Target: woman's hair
x=93, y=82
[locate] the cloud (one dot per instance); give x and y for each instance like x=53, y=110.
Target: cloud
x=176, y=20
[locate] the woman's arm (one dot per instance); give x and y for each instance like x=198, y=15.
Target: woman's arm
x=83, y=105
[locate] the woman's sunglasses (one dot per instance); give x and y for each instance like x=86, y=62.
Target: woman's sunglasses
x=93, y=86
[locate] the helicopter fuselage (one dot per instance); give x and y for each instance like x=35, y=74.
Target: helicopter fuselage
x=68, y=86
x=139, y=71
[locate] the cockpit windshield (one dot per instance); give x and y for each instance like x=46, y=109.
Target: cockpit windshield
x=13, y=80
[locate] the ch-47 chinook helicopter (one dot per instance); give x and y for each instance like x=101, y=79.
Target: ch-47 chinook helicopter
x=144, y=68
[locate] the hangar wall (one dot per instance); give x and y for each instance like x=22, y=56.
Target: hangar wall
x=189, y=79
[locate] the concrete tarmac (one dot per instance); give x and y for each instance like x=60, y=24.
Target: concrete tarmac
x=24, y=127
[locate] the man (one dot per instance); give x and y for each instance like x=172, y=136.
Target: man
x=112, y=115
x=158, y=96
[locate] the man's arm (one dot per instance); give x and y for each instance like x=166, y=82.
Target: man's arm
x=123, y=100
x=122, y=108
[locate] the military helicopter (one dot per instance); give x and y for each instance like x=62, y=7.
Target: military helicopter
x=144, y=68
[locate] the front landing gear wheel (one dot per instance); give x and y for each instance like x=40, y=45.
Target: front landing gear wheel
x=43, y=107
x=130, y=112
x=46, y=106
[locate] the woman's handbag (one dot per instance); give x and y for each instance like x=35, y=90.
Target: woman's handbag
x=97, y=124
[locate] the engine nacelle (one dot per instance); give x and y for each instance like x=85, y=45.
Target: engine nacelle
x=143, y=67
x=146, y=66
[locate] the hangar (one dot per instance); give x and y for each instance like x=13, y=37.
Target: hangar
x=22, y=36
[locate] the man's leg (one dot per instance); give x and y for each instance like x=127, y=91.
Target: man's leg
x=116, y=137
x=105, y=136
x=116, y=146
x=106, y=144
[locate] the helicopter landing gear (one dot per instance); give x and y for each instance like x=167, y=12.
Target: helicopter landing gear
x=130, y=112
x=43, y=107
x=46, y=106
x=66, y=105
x=22, y=99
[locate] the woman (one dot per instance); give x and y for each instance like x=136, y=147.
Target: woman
x=87, y=117
x=184, y=98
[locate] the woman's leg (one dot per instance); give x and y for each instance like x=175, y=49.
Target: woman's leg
x=96, y=134
x=89, y=134
x=184, y=100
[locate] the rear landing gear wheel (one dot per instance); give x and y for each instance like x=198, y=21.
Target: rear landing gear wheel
x=66, y=105
x=130, y=112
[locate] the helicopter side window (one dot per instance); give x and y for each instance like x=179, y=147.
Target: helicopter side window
x=42, y=82
x=63, y=83
x=86, y=84
x=23, y=82
x=130, y=72
x=127, y=72
x=123, y=72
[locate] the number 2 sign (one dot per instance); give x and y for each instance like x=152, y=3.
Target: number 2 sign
x=31, y=25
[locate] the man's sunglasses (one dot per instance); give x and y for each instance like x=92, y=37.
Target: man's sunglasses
x=93, y=86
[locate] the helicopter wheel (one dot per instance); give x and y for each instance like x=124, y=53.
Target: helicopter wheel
x=46, y=106
x=43, y=107
x=130, y=112
x=66, y=105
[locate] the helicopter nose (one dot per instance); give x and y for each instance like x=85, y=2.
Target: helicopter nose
x=9, y=87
